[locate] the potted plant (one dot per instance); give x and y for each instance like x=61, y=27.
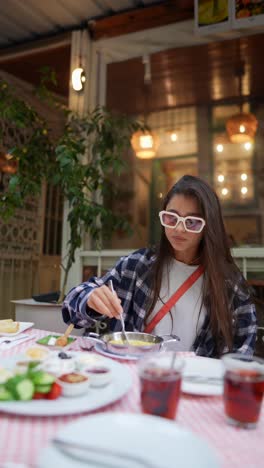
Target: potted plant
x=83, y=162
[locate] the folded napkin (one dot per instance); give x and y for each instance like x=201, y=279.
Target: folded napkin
x=7, y=342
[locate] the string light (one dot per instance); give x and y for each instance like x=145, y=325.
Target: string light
x=221, y=178
x=248, y=146
x=224, y=191
x=173, y=137
x=244, y=190
x=219, y=148
x=243, y=176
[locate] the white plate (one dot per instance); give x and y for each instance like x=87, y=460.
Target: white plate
x=22, y=327
x=94, y=398
x=125, y=357
x=160, y=442
x=206, y=368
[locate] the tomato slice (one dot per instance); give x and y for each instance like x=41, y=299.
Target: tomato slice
x=54, y=392
x=39, y=396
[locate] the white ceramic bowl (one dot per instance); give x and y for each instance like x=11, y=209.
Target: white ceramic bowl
x=72, y=386
x=100, y=375
x=37, y=353
x=57, y=366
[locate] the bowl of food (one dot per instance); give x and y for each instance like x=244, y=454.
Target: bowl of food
x=57, y=366
x=36, y=353
x=138, y=343
x=74, y=384
x=100, y=375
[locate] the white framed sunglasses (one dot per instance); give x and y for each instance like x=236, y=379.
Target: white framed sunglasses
x=190, y=223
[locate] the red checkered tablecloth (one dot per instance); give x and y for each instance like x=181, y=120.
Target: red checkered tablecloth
x=23, y=437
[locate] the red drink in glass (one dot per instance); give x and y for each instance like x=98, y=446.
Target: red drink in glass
x=160, y=379
x=160, y=392
x=243, y=389
x=243, y=392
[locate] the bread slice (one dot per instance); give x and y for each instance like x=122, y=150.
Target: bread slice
x=6, y=320
x=8, y=327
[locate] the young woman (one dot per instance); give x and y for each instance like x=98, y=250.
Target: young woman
x=209, y=306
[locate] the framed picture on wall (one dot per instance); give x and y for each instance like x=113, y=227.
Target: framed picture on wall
x=212, y=16
x=247, y=13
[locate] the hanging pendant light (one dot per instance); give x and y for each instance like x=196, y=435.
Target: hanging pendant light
x=145, y=143
x=241, y=127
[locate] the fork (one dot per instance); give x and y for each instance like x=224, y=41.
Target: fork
x=121, y=318
x=14, y=339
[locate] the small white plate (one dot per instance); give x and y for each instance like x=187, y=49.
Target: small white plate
x=124, y=357
x=156, y=441
x=203, y=368
x=22, y=327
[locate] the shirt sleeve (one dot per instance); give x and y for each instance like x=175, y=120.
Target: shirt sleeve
x=75, y=308
x=245, y=325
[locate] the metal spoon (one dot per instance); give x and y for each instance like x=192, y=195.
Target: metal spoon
x=121, y=318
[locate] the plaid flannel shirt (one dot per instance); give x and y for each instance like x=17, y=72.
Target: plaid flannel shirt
x=132, y=285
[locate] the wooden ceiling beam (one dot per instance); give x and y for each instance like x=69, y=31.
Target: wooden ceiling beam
x=170, y=11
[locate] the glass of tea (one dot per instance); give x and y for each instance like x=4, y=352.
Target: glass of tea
x=160, y=384
x=243, y=389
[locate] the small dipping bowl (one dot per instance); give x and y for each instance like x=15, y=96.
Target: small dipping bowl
x=100, y=375
x=74, y=384
x=56, y=366
x=37, y=353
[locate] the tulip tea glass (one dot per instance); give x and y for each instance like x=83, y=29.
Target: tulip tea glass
x=160, y=382
x=243, y=389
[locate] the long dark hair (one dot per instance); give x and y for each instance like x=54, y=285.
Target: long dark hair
x=214, y=254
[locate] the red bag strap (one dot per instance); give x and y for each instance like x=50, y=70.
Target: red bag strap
x=174, y=298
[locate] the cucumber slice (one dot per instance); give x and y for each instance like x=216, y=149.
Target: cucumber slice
x=25, y=390
x=42, y=388
x=21, y=387
x=42, y=378
x=5, y=395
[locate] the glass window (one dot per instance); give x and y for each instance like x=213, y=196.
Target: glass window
x=233, y=175
x=234, y=180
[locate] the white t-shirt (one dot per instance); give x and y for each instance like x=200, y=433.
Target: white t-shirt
x=187, y=321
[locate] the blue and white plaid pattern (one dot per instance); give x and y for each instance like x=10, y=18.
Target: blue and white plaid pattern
x=132, y=285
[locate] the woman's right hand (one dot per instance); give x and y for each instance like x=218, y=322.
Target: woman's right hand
x=105, y=302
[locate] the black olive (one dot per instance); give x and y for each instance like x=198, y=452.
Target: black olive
x=63, y=355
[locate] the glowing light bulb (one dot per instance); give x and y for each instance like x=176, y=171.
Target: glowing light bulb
x=248, y=146
x=78, y=79
x=221, y=178
x=242, y=128
x=146, y=141
x=224, y=191
x=219, y=148
x=244, y=190
x=173, y=136
x=243, y=176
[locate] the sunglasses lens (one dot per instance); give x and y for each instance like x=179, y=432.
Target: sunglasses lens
x=193, y=224
x=169, y=219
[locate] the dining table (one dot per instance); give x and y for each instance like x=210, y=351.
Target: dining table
x=23, y=437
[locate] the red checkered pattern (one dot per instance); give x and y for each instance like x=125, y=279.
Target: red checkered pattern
x=23, y=437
